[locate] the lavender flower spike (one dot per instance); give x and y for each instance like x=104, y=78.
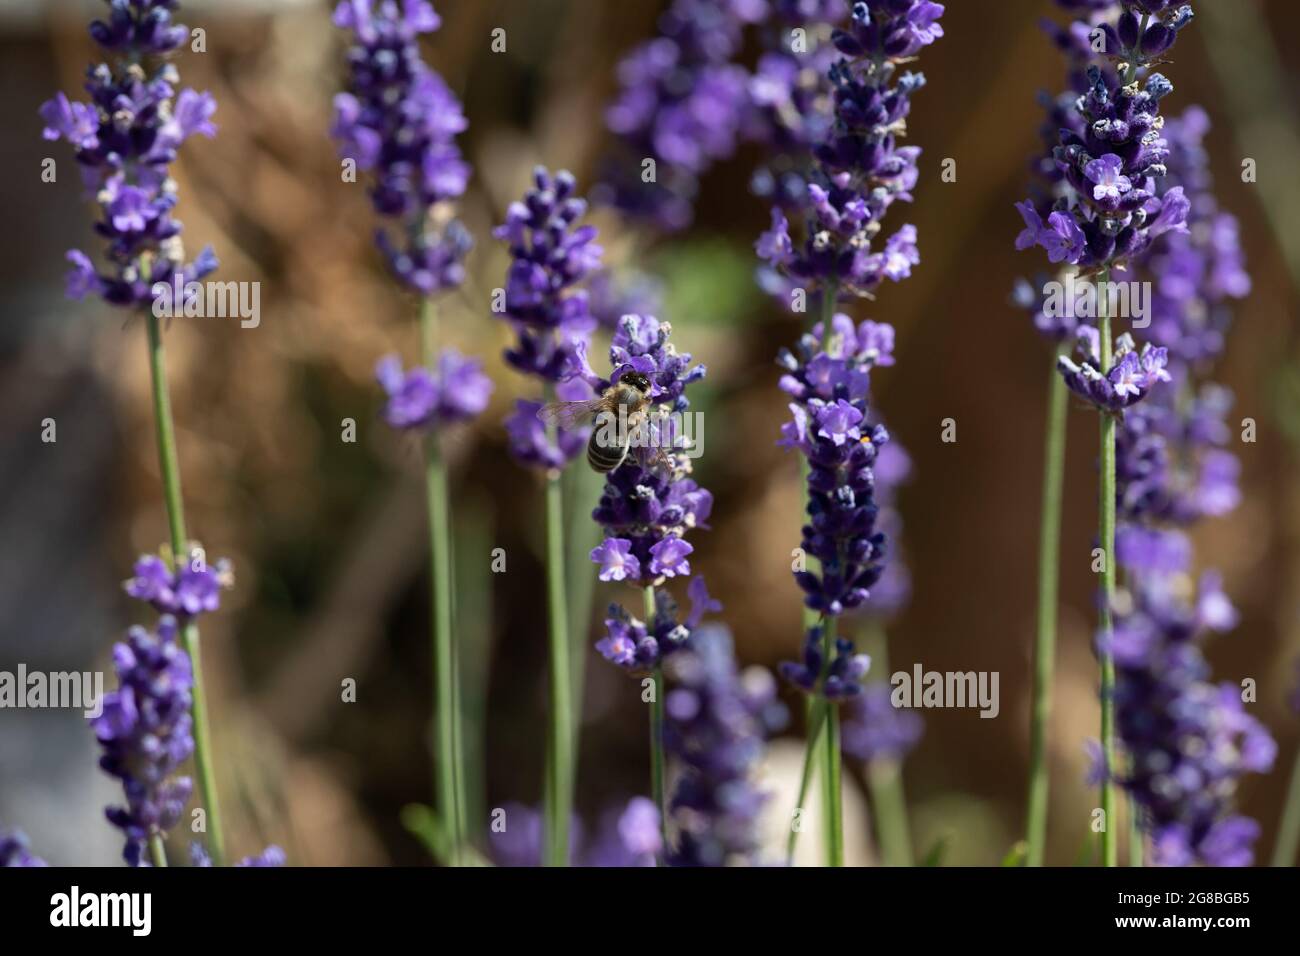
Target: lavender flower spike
x=718, y=722
x=399, y=120
x=146, y=734
x=125, y=138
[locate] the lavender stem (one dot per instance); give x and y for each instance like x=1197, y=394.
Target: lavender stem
x=1106, y=527
x=559, y=775
x=1288, y=834
x=831, y=776
x=816, y=711
x=447, y=724
x=1049, y=547
x=657, y=732
x=169, y=466
x=157, y=853
x=885, y=775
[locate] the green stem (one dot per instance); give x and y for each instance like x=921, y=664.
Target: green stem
x=1288, y=834
x=446, y=711
x=157, y=852
x=657, y=732
x=1049, y=546
x=1106, y=525
x=559, y=776
x=816, y=714
x=831, y=758
x=885, y=777
x=169, y=466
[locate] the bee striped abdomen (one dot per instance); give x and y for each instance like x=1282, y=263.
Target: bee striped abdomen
x=605, y=450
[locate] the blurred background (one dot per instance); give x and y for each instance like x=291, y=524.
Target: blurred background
x=327, y=537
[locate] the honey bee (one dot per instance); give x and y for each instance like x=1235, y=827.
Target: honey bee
x=618, y=413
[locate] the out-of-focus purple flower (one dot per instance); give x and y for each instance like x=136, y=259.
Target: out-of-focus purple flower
x=16, y=851
x=1147, y=549
x=1189, y=741
x=681, y=103
x=638, y=829
x=145, y=733
x=873, y=729
x=140, y=26
x=420, y=399
x=717, y=724
x=1096, y=772
x=528, y=443
x=193, y=588
x=125, y=139
x=272, y=856
x=399, y=120
x=626, y=836
x=613, y=294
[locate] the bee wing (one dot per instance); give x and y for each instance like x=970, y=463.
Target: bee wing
x=570, y=415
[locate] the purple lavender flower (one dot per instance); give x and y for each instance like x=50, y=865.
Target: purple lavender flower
x=681, y=103
x=125, y=139
x=400, y=120
x=839, y=681
x=552, y=256
x=456, y=391
x=637, y=646
x=829, y=379
x=718, y=722
x=1132, y=374
x=790, y=93
x=145, y=733
x=193, y=589
x=1171, y=463
x=650, y=502
x=527, y=440
x=16, y=851
x=1110, y=161
x=841, y=213
x=1189, y=741
x=891, y=593
x=874, y=729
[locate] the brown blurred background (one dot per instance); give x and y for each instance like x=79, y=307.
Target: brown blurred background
x=327, y=538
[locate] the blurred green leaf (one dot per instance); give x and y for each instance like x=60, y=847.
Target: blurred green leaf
x=1016, y=855
x=707, y=281
x=937, y=852
x=422, y=822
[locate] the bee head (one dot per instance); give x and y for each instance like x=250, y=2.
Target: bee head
x=637, y=381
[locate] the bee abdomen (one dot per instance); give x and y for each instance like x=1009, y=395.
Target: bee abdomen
x=603, y=454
